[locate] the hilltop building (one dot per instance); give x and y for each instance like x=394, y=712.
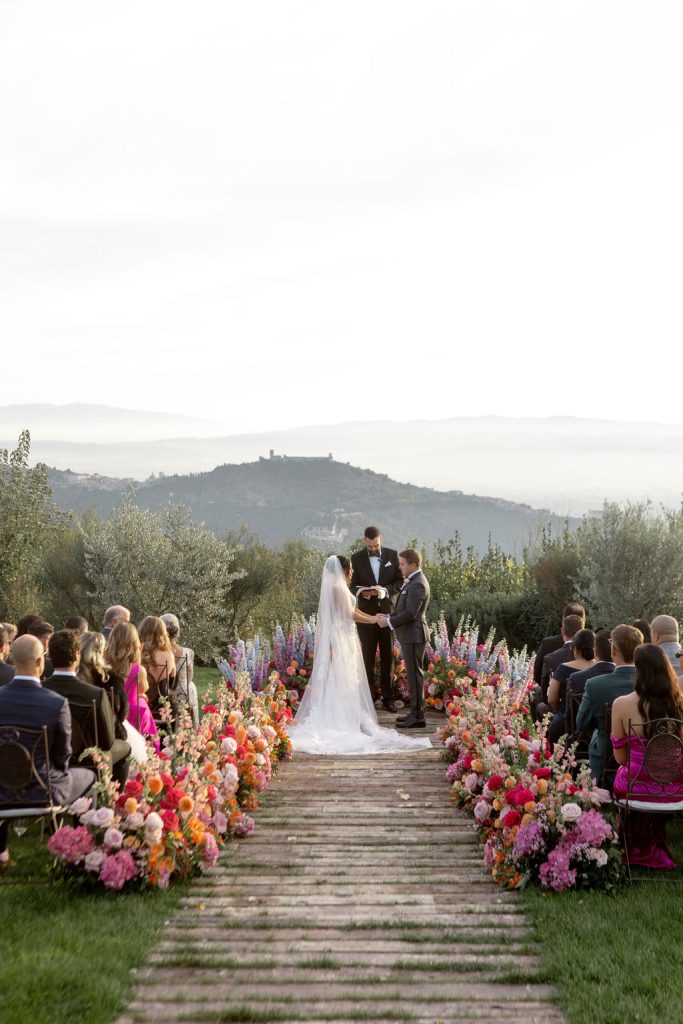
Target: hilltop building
x=272, y=457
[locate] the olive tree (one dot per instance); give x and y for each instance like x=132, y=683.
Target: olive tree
x=158, y=562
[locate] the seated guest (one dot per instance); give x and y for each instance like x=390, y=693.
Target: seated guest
x=656, y=695
x=93, y=670
x=549, y=645
x=644, y=628
x=26, y=621
x=576, y=683
x=11, y=630
x=571, y=625
x=604, y=690
x=123, y=653
x=158, y=661
x=43, y=631
x=6, y=671
x=185, y=690
x=25, y=703
x=77, y=623
x=66, y=655
x=583, y=646
x=112, y=617
x=664, y=630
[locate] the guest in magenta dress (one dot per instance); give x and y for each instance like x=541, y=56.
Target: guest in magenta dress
x=656, y=695
x=123, y=655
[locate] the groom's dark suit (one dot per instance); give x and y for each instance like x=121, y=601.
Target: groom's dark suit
x=372, y=636
x=409, y=622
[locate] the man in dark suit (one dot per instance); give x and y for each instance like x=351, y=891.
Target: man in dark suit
x=603, y=690
x=6, y=671
x=117, y=613
x=550, y=644
x=409, y=622
x=24, y=703
x=571, y=625
x=376, y=581
x=576, y=684
x=66, y=655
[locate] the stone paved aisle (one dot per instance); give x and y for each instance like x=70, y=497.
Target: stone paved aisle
x=361, y=897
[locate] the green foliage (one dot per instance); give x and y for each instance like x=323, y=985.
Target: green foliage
x=631, y=563
x=552, y=564
x=157, y=562
x=27, y=516
x=453, y=572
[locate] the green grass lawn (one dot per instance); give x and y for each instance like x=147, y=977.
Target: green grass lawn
x=615, y=958
x=206, y=678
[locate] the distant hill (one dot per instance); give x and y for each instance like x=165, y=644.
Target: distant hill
x=317, y=499
x=567, y=464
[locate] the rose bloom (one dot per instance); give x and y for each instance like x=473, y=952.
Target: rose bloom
x=103, y=817
x=113, y=837
x=571, y=812
x=153, y=822
x=94, y=860
x=80, y=806
x=134, y=821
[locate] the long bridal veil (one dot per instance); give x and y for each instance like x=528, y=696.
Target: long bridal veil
x=337, y=715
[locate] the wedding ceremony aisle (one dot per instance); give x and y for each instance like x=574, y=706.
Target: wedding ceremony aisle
x=361, y=897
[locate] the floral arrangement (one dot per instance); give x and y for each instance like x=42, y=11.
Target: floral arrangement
x=465, y=661
x=289, y=655
x=538, y=818
x=175, y=813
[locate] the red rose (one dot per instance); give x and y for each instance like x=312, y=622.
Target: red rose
x=241, y=752
x=542, y=773
x=536, y=756
x=495, y=782
x=230, y=731
x=210, y=709
x=524, y=733
x=573, y=789
x=167, y=779
x=133, y=788
x=511, y=819
x=211, y=792
x=467, y=763
x=172, y=799
x=170, y=820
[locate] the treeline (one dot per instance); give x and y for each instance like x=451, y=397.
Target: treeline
x=625, y=564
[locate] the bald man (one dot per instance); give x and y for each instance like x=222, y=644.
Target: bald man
x=117, y=613
x=664, y=629
x=26, y=705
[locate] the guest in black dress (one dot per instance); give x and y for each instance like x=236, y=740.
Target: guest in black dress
x=584, y=657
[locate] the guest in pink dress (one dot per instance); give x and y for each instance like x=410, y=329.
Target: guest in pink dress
x=123, y=655
x=656, y=696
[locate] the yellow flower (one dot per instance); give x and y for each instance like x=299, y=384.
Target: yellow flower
x=186, y=805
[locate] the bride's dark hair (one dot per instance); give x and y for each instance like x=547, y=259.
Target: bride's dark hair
x=344, y=562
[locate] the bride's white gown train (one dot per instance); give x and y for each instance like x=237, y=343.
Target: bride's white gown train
x=336, y=715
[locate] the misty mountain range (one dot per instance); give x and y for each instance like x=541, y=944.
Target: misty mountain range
x=567, y=465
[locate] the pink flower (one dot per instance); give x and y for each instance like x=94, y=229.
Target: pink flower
x=93, y=860
x=71, y=844
x=117, y=869
x=556, y=873
x=103, y=817
x=113, y=838
x=209, y=851
x=220, y=822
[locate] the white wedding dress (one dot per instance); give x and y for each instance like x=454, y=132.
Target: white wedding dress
x=336, y=715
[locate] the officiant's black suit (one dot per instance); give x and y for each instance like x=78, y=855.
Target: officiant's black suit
x=371, y=636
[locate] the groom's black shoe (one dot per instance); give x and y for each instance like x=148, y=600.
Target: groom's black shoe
x=389, y=705
x=411, y=723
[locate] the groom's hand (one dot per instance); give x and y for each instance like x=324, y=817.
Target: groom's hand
x=382, y=621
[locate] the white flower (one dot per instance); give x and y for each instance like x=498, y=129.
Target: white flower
x=103, y=817
x=113, y=837
x=93, y=860
x=451, y=742
x=87, y=818
x=253, y=732
x=509, y=741
x=231, y=775
x=229, y=745
x=81, y=805
x=571, y=812
x=472, y=781
x=153, y=822
x=134, y=821
x=599, y=856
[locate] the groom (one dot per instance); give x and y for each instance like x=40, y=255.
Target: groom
x=409, y=622
x=376, y=580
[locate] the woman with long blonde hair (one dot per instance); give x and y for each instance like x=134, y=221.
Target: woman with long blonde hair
x=123, y=655
x=157, y=660
x=94, y=670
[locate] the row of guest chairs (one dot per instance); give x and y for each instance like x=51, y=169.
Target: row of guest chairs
x=22, y=749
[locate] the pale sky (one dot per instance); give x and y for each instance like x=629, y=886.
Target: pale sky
x=280, y=213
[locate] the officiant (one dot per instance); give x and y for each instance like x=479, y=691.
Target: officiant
x=376, y=581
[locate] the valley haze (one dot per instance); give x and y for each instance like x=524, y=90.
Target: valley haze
x=567, y=465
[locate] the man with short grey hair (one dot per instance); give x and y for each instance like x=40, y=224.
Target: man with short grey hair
x=117, y=613
x=664, y=629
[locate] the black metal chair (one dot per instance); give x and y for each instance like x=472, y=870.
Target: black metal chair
x=572, y=705
x=19, y=772
x=662, y=766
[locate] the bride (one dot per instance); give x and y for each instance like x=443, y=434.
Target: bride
x=337, y=715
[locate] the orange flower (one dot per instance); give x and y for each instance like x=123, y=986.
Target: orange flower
x=530, y=805
x=466, y=736
x=131, y=805
x=509, y=782
x=209, y=768
x=477, y=767
x=497, y=805
x=542, y=786
x=241, y=735
x=155, y=785
x=186, y=804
